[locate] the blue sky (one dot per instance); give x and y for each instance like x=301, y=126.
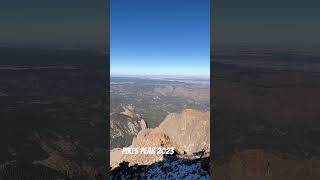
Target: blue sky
x=160, y=37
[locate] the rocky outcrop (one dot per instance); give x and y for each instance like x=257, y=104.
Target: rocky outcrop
x=145, y=138
x=124, y=126
x=61, y=156
x=128, y=110
x=116, y=157
x=61, y=164
x=187, y=132
x=258, y=164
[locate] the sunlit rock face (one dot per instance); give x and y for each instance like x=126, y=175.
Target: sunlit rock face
x=187, y=132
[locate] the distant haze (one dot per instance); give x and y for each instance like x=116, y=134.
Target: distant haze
x=191, y=77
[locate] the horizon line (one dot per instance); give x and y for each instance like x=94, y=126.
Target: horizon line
x=163, y=75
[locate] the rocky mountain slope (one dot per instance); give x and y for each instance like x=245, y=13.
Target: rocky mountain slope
x=124, y=126
x=266, y=106
x=52, y=109
x=258, y=164
x=187, y=132
x=196, y=92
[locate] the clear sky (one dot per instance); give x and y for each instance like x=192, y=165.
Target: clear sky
x=160, y=37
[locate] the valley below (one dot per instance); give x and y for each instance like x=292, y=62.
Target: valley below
x=52, y=107
x=161, y=113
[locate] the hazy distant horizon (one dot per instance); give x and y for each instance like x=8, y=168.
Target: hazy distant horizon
x=178, y=70
x=161, y=76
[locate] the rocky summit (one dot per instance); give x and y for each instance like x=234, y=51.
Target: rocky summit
x=187, y=132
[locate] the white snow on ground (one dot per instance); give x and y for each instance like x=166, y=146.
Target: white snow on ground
x=170, y=168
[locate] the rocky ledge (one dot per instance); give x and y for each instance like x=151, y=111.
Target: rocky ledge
x=187, y=132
